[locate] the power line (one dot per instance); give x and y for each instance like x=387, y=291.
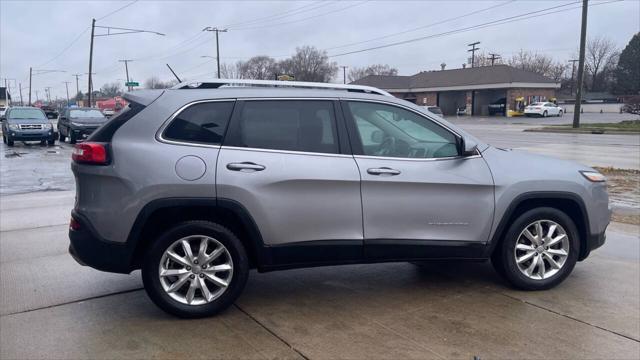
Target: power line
x=290, y=12
x=502, y=21
x=303, y=19
x=421, y=27
x=118, y=9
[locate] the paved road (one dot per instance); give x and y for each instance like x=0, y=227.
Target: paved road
x=52, y=307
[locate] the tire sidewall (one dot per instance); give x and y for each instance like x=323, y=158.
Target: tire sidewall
x=152, y=259
x=507, y=259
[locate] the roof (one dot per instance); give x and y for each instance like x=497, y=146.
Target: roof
x=459, y=79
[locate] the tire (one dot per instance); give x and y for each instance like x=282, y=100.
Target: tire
x=51, y=142
x=72, y=137
x=560, y=113
x=60, y=136
x=43, y=142
x=176, y=302
x=544, y=114
x=504, y=257
x=9, y=142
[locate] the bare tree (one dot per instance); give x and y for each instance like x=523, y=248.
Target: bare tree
x=231, y=71
x=111, y=89
x=308, y=64
x=377, y=69
x=258, y=68
x=600, y=60
x=539, y=64
x=155, y=83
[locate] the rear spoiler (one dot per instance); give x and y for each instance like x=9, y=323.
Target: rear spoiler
x=143, y=97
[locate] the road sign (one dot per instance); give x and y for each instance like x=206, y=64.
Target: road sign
x=132, y=83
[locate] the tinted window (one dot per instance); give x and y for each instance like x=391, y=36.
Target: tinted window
x=203, y=123
x=288, y=125
x=85, y=113
x=391, y=131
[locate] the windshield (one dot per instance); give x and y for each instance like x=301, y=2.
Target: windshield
x=537, y=104
x=85, y=113
x=27, y=114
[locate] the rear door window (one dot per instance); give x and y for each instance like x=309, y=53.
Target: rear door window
x=201, y=123
x=293, y=125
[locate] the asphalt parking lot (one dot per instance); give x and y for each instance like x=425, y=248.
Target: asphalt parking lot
x=51, y=305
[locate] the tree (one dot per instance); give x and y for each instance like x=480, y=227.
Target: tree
x=79, y=96
x=155, y=83
x=539, y=64
x=111, y=89
x=627, y=72
x=308, y=64
x=377, y=69
x=257, y=68
x=600, y=59
x=231, y=71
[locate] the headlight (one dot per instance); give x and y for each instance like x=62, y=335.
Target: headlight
x=14, y=127
x=46, y=126
x=593, y=176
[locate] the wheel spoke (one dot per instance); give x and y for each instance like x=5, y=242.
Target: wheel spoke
x=552, y=230
x=187, y=250
x=559, y=252
x=532, y=265
x=221, y=267
x=214, y=255
x=541, y=267
x=539, y=232
x=204, y=288
x=192, y=291
x=202, y=252
x=526, y=257
x=216, y=280
x=178, y=284
x=173, y=272
x=177, y=258
x=552, y=262
x=524, y=247
x=556, y=239
x=530, y=236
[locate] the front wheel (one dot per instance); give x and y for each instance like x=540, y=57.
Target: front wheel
x=539, y=250
x=72, y=137
x=560, y=113
x=196, y=269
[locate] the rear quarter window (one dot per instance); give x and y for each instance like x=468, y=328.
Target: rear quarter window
x=203, y=123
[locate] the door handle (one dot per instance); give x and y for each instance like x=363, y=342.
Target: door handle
x=383, y=171
x=245, y=167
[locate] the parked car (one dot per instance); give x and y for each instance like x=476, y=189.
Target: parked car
x=51, y=112
x=3, y=110
x=197, y=184
x=434, y=110
x=498, y=107
x=461, y=111
x=108, y=112
x=77, y=123
x=543, y=109
x=25, y=123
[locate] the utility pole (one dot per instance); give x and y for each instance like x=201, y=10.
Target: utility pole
x=494, y=57
x=6, y=92
x=473, y=52
x=66, y=85
x=37, y=97
x=209, y=28
x=47, y=92
x=30, y=74
x=573, y=70
x=20, y=87
x=93, y=28
x=77, y=83
x=126, y=69
x=344, y=74
x=583, y=40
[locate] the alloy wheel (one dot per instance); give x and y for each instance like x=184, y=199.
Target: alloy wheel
x=196, y=270
x=542, y=249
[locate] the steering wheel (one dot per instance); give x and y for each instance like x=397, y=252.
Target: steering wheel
x=387, y=147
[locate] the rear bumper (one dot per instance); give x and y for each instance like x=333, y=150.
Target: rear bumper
x=88, y=249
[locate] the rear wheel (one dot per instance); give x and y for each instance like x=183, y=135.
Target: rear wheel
x=544, y=114
x=539, y=251
x=196, y=269
x=72, y=137
x=60, y=136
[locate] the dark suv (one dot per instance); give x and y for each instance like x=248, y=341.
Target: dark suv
x=26, y=124
x=77, y=123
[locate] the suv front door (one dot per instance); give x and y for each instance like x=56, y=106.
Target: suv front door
x=283, y=162
x=420, y=198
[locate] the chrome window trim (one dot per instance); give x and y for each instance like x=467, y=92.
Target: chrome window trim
x=160, y=133
x=371, y=157
x=288, y=152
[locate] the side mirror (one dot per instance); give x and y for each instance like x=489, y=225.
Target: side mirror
x=377, y=137
x=63, y=118
x=468, y=146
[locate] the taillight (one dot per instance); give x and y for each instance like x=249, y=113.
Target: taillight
x=74, y=224
x=90, y=153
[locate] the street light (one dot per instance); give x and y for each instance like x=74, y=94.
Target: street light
x=111, y=31
x=39, y=72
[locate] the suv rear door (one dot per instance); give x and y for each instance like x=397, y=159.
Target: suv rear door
x=283, y=161
x=420, y=198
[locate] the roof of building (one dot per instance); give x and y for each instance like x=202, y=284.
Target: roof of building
x=501, y=75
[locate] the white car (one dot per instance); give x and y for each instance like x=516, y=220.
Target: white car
x=543, y=109
x=108, y=112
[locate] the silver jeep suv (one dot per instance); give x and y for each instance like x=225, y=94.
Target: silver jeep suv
x=197, y=184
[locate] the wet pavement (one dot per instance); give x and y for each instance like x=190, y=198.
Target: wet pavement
x=51, y=305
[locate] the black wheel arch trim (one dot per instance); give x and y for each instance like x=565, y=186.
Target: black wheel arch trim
x=533, y=195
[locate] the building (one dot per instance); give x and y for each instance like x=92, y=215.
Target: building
x=5, y=97
x=474, y=88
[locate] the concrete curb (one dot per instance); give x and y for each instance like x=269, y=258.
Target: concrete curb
x=583, y=131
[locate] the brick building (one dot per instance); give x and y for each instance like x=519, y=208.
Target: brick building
x=474, y=88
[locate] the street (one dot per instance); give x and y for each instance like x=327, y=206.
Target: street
x=52, y=305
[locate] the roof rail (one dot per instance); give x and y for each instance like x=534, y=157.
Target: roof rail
x=214, y=84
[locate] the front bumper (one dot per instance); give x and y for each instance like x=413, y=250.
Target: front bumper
x=81, y=132
x=18, y=135
x=593, y=242
x=88, y=249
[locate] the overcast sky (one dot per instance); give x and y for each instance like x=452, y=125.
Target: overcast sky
x=42, y=33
